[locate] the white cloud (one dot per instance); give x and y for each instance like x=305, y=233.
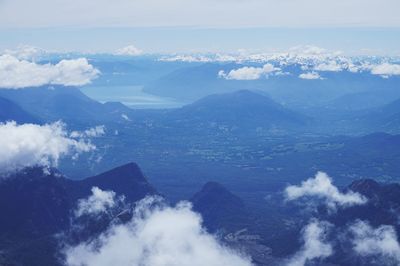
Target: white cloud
x=156, y=236
x=125, y=117
x=249, y=73
x=310, y=75
x=385, y=70
x=331, y=66
x=130, y=50
x=309, y=50
x=25, y=52
x=315, y=245
x=29, y=145
x=96, y=203
x=353, y=68
x=93, y=132
x=381, y=241
x=16, y=73
x=187, y=58
x=321, y=186
x=202, y=58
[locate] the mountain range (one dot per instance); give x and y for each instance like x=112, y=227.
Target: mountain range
x=247, y=110
x=52, y=103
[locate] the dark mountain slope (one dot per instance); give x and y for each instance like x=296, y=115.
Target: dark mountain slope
x=125, y=180
x=44, y=200
x=33, y=203
x=35, y=206
x=220, y=208
x=11, y=111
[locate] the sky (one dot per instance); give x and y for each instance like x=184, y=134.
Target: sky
x=201, y=25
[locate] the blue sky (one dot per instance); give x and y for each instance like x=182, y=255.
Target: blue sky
x=353, y=41
x=352, y=26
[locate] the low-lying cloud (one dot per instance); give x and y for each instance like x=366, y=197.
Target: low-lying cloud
x=92, y=132
x=380, y=242
x=315, y=245
x=156, y=236
x=386, y=70
x=17, y=73
x=43, y=145
x=321, y=187
x=310, y=75
x=98, y=202
x=249, y=73
x=331, y=66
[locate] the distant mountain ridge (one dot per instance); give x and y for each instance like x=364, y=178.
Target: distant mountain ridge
x=386, y=117
x=245, y=110
x=220, y=209
x=52, y=103
x=202, y=79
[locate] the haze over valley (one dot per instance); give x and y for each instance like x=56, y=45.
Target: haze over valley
x=194, y=133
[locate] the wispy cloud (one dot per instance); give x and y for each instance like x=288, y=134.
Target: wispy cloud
x=321, y=187
x=92, y=132
x=315, y=245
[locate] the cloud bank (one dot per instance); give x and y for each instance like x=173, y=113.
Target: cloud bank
x=321, y=187
x=17, y=73
x=249, y=73
x=25, y=52
x=330, y=66
x=312, y=59
x=129, y=50
x=43, y=145
x=386, y=69
x=157, y=236
x=315, y=245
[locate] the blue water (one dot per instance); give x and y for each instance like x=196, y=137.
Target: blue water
x=132, y=96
